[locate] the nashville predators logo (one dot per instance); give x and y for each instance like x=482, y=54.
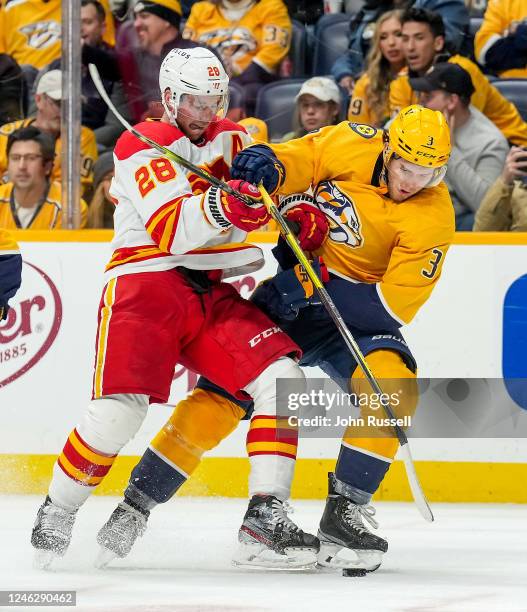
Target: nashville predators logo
x=234, y=46
x=366, y=131
x=42, y=34
x=344, y=224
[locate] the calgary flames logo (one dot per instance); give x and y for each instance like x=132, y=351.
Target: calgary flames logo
x=31, y=326
x=217, y=168
x=344, y=223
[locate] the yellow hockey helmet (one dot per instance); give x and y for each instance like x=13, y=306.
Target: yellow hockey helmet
x=421, y=136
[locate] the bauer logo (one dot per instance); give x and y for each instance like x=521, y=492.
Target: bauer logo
x=31, y=326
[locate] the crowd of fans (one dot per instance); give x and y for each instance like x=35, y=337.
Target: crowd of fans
x=400, y=52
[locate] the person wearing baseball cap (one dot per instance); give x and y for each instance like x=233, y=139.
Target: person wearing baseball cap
x=48, y=95
x=479, y=148
x=157, y=28
x=317, y=105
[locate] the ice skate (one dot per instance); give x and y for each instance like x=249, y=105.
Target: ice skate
x=51, y=533
x=345, y=542
x=117, y=536
x=270, y=540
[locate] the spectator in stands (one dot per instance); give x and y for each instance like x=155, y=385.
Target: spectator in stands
x=12, y=86
x=501, y=42
x=504, y=207
x=317, y=105
x=95, y=113
x=423, y=45
x=479, y=149
x=251, y=36
x=31, y=33
x=48, y=96
x=30, y=200
x=349, y=66
x=369, y=103
x=156, y=24
x=102, y=207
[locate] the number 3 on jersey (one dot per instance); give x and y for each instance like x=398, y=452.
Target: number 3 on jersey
x=434, y=264
x=160, y=169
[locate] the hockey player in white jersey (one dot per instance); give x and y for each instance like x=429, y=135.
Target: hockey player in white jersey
x=164, y=303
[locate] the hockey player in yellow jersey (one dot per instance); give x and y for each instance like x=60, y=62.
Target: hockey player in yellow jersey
x=252, y=37
x=30, y=30
x=10, y=270
x=423, y=36
x=391, y=222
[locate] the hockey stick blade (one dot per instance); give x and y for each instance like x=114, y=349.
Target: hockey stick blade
x=329, y=305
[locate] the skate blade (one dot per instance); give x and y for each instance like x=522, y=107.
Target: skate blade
x=336, y=557
x=258, y=556
x=44, y=559
x=104, y=557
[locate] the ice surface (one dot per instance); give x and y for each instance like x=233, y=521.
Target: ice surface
x=473, y=558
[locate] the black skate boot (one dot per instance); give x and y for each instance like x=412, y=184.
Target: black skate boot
x=51, y=533
x=269, y=538
x=117, y=536
x=342, y=528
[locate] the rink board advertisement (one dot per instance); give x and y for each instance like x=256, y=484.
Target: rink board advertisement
x=472, y=327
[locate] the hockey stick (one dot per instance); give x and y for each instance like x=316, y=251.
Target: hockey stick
x=326, y=300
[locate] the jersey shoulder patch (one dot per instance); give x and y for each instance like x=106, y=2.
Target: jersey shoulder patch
x=363, y=129
x=162, y=133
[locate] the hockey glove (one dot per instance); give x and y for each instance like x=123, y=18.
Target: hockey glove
x=291, y=290
x=223, y=210
x=312, y=222
x=259, y=163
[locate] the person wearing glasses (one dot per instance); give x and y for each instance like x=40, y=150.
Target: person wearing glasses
x=30, y=200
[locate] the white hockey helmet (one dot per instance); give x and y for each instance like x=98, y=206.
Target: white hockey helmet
x=194, y=75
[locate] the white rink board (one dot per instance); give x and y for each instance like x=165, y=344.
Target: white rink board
x=457, y=333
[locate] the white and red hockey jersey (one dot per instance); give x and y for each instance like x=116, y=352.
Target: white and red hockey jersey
x=159, y=220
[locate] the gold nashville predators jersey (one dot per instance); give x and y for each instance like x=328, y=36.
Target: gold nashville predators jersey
x=486, y=99
x=262, y=35
x=400, y=247
x=499, y=18
x=30, y=30
x=88, y=151
x=47, y=215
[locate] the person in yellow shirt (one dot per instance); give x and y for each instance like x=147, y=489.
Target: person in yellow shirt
x=424, y=45
x=370, y=99
x=48, y=96
x=10, y=271
x=251, y=36
x=391, y=222
x=30, y=200
x=30, y=30
x=501, y=42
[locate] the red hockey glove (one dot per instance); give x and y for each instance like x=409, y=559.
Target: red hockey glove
x=224, y=211
x=313, y=223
